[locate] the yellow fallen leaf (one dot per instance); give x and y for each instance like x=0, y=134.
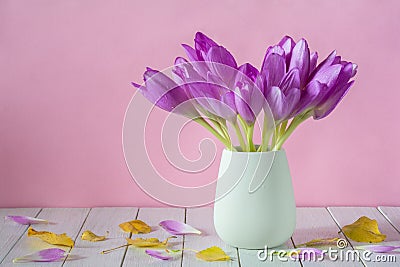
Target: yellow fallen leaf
x=90, y=236
x=52, y=238
x=135, y=227
x=364, y=230
x=212, y=254
x=320, y=242
x=148, y=242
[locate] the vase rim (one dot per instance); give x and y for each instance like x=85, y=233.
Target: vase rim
x=252, y=152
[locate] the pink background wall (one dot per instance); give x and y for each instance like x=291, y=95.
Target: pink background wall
x=65, y=68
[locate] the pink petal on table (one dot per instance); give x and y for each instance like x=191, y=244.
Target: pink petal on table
x=178, y=228
x=46, y=255
x=307, y=253
x=25, y=220
x=158, y=254
x=378, y=248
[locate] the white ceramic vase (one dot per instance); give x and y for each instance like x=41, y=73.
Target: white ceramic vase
x=255, y=204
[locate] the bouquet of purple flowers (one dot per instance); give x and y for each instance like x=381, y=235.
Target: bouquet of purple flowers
x=212, y=90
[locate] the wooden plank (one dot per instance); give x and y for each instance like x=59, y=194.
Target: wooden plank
x=152, y=216
x=347, y=215
x=317, y=223
x=392, y=214
x=99, y=221
x=10, y=231
x=202, y=219
x=66, y=220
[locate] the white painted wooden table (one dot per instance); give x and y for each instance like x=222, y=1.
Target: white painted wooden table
x=311, y=223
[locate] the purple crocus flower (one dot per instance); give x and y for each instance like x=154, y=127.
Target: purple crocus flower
x=290, y=81
x=211, y=93
x=216, y=65
x=219, y=60
x=166, y=94
x=282, y=81
x=249, y=97
x=334, y=75
x=293, y=83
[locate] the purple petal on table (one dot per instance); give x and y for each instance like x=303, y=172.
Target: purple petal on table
x=178, y=228
x=46, y=255
x=301, y=59
x=25, y=220
x=308, y=253
x=162, y=255
x=378, y=248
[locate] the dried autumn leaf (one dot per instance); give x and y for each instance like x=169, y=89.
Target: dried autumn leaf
x=320, y=242
x=212, y=254
x=52, y=238
x=148, y=242
x=92, y=237
x=364, y=230
x=135, y=227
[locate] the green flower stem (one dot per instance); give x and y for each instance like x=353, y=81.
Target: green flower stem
x=224, y=129
x=250, y=144
x=248, y=129
x=206, y=125
x=293, y=125
x=239, y=135
x=245, y=129
x=266, y=135
x=283, y=127
x=216, y=121
x=275, y=136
